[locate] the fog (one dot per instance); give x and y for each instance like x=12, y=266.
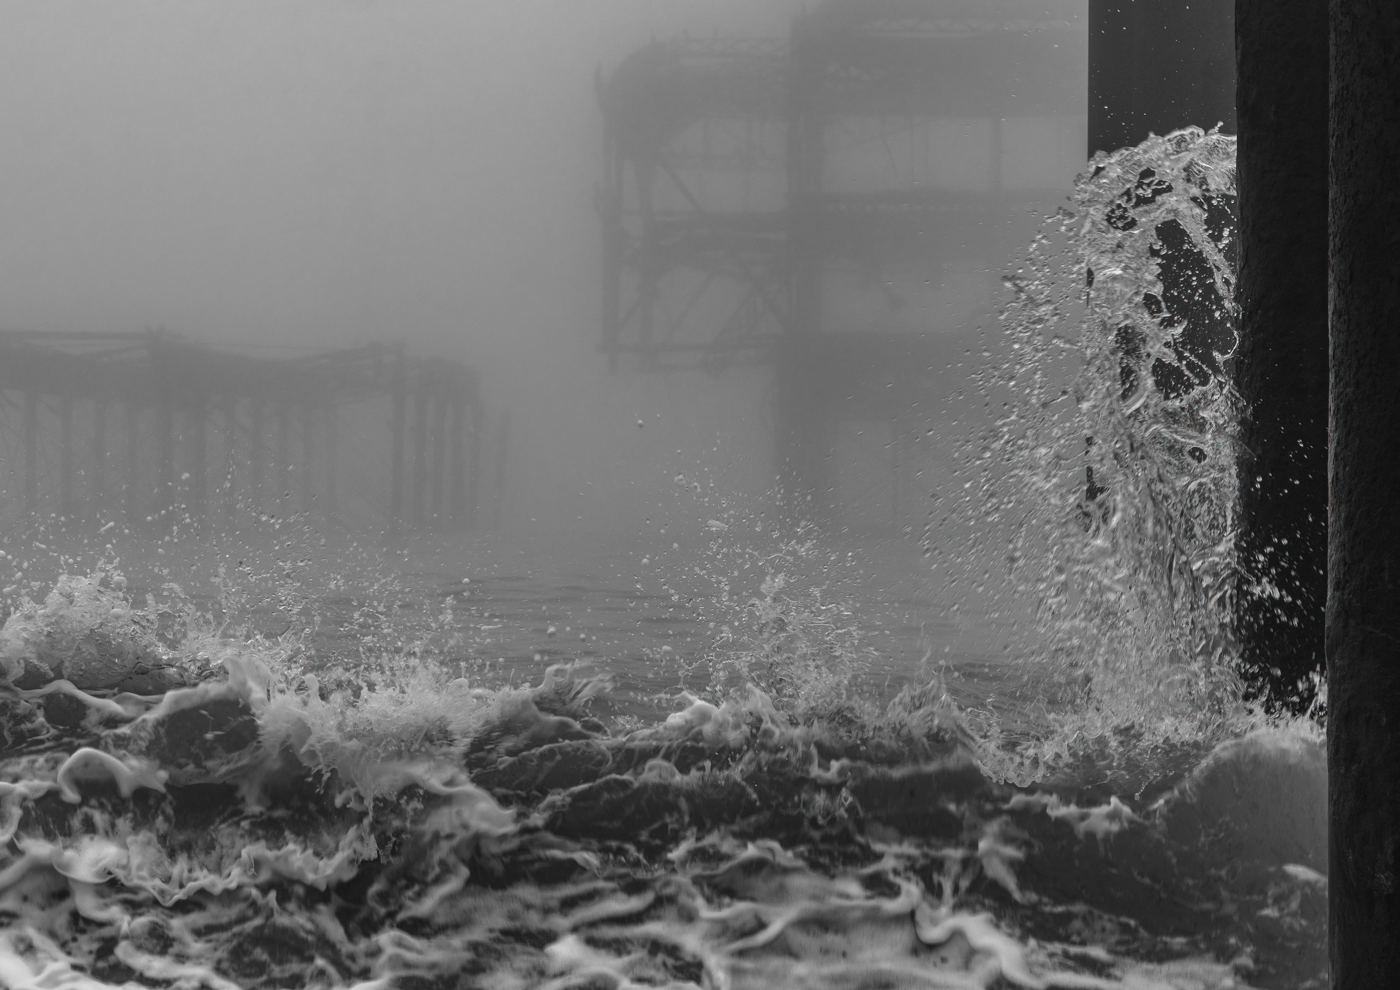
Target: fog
x=277, y=177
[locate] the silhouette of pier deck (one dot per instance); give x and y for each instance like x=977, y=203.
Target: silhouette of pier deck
x=148, y=428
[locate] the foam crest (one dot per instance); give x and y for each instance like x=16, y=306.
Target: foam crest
x=87, y=633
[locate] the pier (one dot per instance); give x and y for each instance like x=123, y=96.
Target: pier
x=811, y=203
x=148, y=429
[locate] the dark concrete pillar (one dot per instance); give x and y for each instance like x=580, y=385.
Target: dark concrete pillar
x=1157, y=65
x=1281, y=364
x=1363, y=561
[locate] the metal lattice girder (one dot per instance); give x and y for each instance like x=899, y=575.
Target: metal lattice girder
x=689, y=121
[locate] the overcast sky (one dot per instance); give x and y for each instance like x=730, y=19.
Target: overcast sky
x=311, y=170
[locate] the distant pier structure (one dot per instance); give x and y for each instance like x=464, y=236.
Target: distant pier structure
x=841, y=205
x=149, y=429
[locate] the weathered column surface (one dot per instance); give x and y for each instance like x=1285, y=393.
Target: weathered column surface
x=1363, y=585
x=1281, y=364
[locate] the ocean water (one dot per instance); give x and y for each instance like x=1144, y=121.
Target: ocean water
x=723, y=751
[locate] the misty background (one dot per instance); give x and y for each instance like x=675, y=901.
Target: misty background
x=280, y=176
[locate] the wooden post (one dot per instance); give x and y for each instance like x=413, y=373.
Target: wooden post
x=1363, y=579
x=31, y=451
x=65, y=456
x=396, y=432
x=420, y=455
x=1281, y=364
x=98, y=461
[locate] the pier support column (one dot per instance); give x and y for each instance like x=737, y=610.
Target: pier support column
x=1363, y=579
x=1281, y=364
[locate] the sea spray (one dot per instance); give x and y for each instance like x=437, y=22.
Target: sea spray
x=1107, y=481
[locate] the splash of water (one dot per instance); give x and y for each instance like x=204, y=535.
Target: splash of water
x=1109, y=476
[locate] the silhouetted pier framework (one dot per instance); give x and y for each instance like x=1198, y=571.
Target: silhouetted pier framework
x=733, y=206
x=150, y=428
